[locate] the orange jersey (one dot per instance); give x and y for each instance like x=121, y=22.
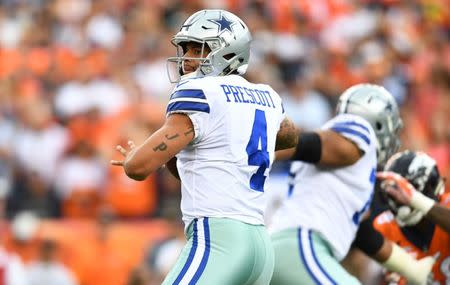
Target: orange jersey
x=440, y=242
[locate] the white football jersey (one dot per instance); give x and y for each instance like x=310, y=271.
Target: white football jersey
x=224, y=170
x=332, y=201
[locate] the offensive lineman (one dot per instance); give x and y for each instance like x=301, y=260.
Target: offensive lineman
x=331, y=193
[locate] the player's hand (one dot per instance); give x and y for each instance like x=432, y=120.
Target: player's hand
x=406, y=216
x=397, y=187
x=124, y=152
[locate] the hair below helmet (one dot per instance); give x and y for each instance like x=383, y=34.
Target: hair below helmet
x=421, y=171
x=224, y=33
x=378, y=107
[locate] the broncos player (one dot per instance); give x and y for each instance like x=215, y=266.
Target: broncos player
x=419, y=216
x=331, y=189
x=223, y=131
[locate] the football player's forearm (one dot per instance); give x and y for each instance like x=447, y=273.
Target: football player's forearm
x=160, y=147
x=147, y=158
x=385, y=251
x=440, y=215
x=415, y=271
x=326, y=148
x=284, y=154
x=433, y=211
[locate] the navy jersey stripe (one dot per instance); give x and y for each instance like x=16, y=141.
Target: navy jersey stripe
x=347, y=124
x=188, y=93
x=352, y=132
x=188, y=106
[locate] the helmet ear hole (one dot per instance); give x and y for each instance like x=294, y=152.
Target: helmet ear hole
x=379, y=126
x=229, y=56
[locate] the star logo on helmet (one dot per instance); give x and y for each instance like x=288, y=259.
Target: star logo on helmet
x=223, y=23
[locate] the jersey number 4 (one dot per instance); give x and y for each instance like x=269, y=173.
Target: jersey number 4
x=257, y=151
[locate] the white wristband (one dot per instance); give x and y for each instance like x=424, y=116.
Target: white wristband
x=421, y=202
x=415, y=271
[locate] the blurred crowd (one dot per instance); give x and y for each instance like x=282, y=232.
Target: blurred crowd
x=78, y=77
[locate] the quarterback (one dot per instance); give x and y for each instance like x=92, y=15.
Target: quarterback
x=223, y=132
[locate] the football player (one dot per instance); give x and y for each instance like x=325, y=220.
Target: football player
x=223, y=131
x=331, y=188
x=419, y=211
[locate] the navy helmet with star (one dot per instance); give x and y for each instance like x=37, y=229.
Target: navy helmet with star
x=223, y=23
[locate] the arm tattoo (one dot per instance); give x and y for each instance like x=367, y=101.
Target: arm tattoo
x=287, y=136
x=191, y=130
x=161, y=147
x=172, y=137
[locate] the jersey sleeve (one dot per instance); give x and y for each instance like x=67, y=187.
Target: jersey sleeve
x=190, y=99
x=353, y=128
